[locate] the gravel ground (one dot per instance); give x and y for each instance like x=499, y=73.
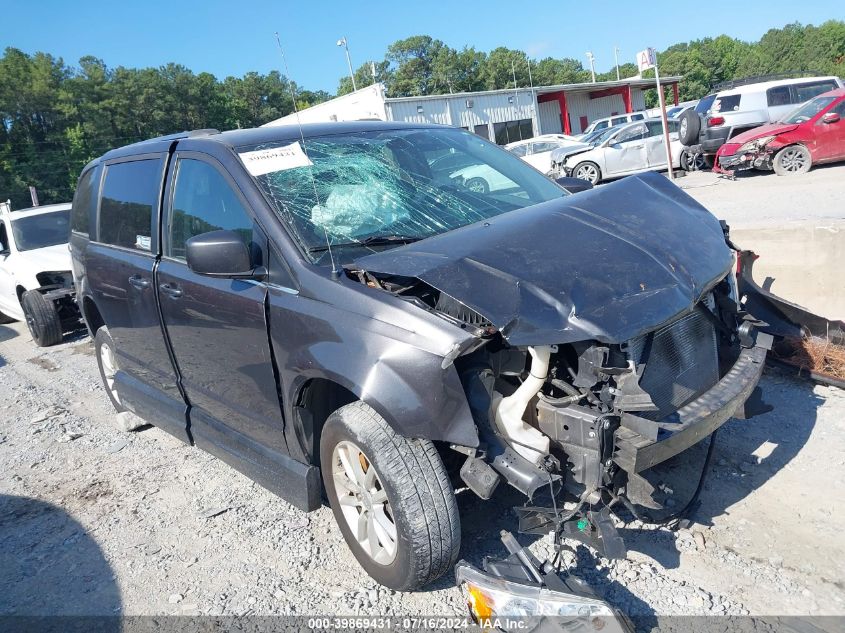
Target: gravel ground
x=142, y=524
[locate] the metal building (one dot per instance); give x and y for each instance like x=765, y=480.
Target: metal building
x=502, y=116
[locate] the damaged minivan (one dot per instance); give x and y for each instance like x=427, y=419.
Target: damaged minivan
x=331, y=314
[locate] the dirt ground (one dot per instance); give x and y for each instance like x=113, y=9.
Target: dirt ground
x=97, y=521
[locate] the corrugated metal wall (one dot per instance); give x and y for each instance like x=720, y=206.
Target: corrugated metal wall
x=549, y=112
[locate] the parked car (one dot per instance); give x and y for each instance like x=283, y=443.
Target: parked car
x=36, y=284
x=537, y=151
x=610, y=121
x=813, y=133
x=632, y=149
x=722, y=115
x=316, y=302
x=593, y=139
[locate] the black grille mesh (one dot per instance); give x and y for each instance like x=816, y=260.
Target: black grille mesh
x=681, y=362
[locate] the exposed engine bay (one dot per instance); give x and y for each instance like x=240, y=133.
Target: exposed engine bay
x=571, y=425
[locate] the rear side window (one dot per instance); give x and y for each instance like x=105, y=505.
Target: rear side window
x=637, y=117
x=601, y=125
x=519, y=150
x=805, y=92
x=704, y=104
x=726, y=103
x=203, y=201
x=84, y=202
x=778, y=96
x=130, y=193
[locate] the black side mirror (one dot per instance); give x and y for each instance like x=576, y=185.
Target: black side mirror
x=221, y=254
x=574, y=185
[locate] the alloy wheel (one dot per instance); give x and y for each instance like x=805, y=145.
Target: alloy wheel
x=587, y=172
x=793, y=160
x=363, y=502
x=109, y=365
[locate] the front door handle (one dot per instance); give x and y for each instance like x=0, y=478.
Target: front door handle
x=139, y=282
x=173, y=291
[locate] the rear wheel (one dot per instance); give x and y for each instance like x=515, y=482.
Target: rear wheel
x=794, y=159
x=42, y=319
x=391, y=498
x=107, y=362
x=692, y=162
x=587, y=171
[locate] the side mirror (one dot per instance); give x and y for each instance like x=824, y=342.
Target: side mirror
x=221, y=254
x=830, y=117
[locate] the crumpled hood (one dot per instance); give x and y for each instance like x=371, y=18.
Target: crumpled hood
x=764, y=130
x=50, y=258
x=561, y=153
x=606, y=264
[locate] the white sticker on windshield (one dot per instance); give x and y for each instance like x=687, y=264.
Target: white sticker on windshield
x=265, y=161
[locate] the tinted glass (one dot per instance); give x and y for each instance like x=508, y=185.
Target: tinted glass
x=601, y=125
x=130, y=193
x=548, y=146
x=704, y=104
x=512, y=131
x=778, y=96
x=519, y=150
x=407, y=184
x=482, y=130
x=40, y=231
x=727, y=103
x=804, y=92
x=633, y=133
x=637, y=117
x=808, y=110
x=203, y=201
x=617, y=120
x=83, y=202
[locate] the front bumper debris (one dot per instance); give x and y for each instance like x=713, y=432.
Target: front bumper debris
x=521, y=593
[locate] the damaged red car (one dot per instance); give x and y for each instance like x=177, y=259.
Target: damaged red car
x=812, y=134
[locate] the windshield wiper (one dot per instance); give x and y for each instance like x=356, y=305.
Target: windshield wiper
x=373, y=240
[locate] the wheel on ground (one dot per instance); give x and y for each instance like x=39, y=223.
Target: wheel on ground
x=107, y=362
x=587, y=171
x=692, y=162
x=42, y=319
x=794, y=159
x=477, y=185
x=391, y=497
x=688, y=127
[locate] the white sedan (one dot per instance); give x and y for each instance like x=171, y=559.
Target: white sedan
x=537, y=151
x=632, y=149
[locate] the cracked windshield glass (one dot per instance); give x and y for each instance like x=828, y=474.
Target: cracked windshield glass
x=366, y=191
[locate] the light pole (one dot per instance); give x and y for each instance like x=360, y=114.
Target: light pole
x=592, y=65
x=342, y=42
x=616, y=59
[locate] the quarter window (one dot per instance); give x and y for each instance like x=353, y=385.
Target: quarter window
x=84, y=201
x=130, y=193
x=203, y=201
x=805, y=92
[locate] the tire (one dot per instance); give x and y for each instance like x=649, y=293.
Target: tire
x=104, y=349
x=588, y=171
x=791, y=160
x=477, y=185
x=409, y=488
x=692, y=162
x=42, y=319
x=689, y=127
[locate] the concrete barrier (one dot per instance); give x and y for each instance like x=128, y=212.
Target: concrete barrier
x=805, y=259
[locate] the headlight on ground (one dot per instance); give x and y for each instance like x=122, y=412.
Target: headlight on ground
x=756, y=145
x=498, y=603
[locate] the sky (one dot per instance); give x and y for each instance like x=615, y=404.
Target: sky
x=232, y=38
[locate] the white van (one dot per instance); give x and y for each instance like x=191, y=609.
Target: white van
x=610, y=121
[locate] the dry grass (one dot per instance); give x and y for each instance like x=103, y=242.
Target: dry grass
x=814, y=354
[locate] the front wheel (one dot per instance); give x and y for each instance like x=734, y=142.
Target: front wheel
x=587, y=171
x=477, y=185
x=42, y=319
x=692, y=162
x=391, y=497
x=794, y=159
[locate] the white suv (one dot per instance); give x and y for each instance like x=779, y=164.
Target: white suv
x=610, y=121
x=742, y=106
x=36, y=283
x=537, y=151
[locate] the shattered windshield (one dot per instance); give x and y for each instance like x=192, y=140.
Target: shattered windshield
x=369, y=190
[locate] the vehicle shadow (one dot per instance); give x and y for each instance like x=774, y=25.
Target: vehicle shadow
x=747, y=454
x=53, y=574
x=7, y=333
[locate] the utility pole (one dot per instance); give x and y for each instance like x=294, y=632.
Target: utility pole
x=592, y=65
x=342, y=42
x=616, y=59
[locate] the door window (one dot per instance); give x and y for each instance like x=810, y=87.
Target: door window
x=519, y=150
x=633, y=133
x=203, y=201
x=130, y=193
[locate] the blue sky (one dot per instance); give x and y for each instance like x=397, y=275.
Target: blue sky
x=231, y=38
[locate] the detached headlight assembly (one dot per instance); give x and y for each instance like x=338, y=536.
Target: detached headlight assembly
x=756, y=145
x=498, y=603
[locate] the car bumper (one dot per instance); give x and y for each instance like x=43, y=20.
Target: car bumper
x=642, y=444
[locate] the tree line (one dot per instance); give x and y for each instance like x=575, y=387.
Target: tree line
x=56, y=117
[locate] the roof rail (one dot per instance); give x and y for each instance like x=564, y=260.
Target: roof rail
x=736, y=83
x=177, y=135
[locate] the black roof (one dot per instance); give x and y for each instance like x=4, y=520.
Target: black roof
x=258, y=135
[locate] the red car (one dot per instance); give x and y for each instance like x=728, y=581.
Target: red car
x=811, y=134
